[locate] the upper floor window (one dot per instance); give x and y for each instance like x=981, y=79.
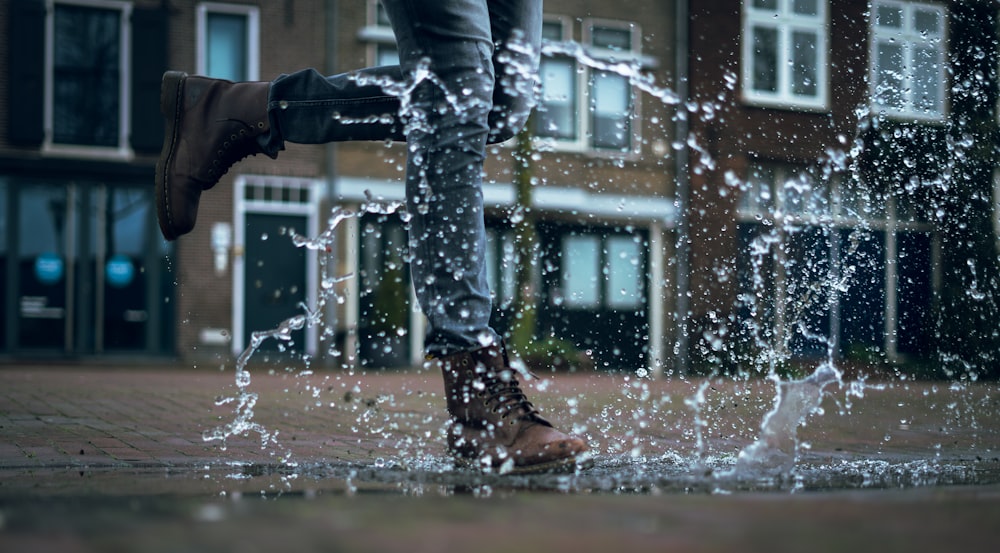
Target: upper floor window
x=587, y=108
x=790, y=190
x=378, y=33
x=785, y=53
x=610, y=93
x=908, y=59
x=228, y=41
x=87, y=93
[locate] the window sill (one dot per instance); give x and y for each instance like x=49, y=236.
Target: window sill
x=785, y=104
x=88, y=152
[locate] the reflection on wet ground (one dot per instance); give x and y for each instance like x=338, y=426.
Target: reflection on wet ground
x=331, y=508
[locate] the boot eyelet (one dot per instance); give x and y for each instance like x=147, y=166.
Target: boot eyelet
x=260, y=124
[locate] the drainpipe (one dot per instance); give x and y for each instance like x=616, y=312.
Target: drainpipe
x=682, y=305
x=330, y=162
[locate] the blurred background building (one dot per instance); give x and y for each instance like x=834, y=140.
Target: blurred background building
x=650, y=195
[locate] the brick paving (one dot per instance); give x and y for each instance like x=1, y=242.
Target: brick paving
x=112, y=459
x=67, y=416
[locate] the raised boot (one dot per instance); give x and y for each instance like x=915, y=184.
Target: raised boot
x=210, y=125
x=493, y=425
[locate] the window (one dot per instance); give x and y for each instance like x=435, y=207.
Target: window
x=785, y=257
x=228, y=41
x=785, y=53
x=790, y=190
x=624, y=272
x=378, y=33
x=833, y=264
x=581, y=271
x=610, y=93
x=556, y=115
x=569, y=89
x=907, y=60
x=87, y=88
x=996, y=207
x=602, y=272
x=501, y=267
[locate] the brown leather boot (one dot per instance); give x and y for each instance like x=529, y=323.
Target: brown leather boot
x=210, y=125
x=494, y=425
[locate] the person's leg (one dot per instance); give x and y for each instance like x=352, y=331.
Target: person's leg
x=445, y=49
x=306, y=107
x=467, y=98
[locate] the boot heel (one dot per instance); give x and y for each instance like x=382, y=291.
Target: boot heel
x=170, y=91
x=171, y=88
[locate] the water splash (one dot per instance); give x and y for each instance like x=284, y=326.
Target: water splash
x=775, y=450
x=245, y=400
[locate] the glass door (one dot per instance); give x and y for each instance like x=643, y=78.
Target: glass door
x=44, y=265
x=89, y=269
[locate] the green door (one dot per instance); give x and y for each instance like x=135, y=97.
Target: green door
x=274, y=278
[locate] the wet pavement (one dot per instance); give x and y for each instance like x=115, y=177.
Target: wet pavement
x=99, y=459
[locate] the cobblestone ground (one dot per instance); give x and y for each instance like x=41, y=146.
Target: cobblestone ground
x=114, y=460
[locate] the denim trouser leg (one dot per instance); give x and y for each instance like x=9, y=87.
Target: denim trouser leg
x=472, y=93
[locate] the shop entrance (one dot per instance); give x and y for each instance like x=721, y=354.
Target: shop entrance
x=84, y=269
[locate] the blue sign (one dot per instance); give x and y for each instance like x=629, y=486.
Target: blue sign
x=48, y=268
x=119, y=271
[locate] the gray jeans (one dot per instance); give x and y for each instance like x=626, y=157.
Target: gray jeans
x=457, y=88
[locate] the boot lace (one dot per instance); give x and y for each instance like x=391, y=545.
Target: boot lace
x=502, y=393
x=233, y=148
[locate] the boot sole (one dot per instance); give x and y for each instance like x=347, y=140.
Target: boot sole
x=171, y=93
x=560, y=466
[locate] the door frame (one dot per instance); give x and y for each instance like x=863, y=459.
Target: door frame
x=263, y=194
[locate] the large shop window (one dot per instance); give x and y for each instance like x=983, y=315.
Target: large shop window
x=83, y=267
x=828, y=265
x=785, y=53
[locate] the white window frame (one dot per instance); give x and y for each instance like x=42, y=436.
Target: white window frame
x=375, y=34
x=634, y=55
x=908, y=38
x=123, y=151
x=577, y=143
x=581, y=143
x=785, y=21
x=996, y=208
x=252, y=13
